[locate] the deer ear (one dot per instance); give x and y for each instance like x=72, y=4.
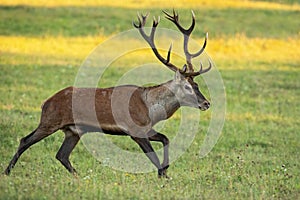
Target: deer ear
x=178, y=76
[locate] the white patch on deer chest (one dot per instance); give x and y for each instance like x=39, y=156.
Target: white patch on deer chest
x=157, y=112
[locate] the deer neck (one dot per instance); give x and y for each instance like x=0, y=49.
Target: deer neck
x=161, y=102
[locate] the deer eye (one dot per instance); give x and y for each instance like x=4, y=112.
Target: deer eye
x=187, y=87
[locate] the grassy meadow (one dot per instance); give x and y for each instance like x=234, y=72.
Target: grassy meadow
x=255, y=46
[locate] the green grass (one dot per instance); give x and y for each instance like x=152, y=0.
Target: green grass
x=83, y=21
x=259, y=142
x=256, y=157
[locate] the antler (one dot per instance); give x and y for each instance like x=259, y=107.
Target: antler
x=186, y=35
x=150, y=40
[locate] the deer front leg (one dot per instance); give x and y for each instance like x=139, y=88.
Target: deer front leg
x=155, y=136
x=147, y=148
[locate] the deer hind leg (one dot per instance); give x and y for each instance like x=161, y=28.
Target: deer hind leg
x=158, y=137
x=34, y=137
x=70, y=141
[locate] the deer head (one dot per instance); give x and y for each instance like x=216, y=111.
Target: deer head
x=183, y=85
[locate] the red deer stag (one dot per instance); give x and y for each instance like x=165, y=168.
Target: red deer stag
x=69, y=110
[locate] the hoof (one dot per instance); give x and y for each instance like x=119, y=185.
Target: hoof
x=162, y=173
x=7, y=172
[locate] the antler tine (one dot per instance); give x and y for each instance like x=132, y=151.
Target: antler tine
x=169, y=52
x=142, y=21
x=193, y=23
x=207, y=69
x=201, y=71
x=150, y=40
x=154, y=25
x=184, y=68
x=175, y=20
x=155, y=22
x=201, y=66
x=193, y=55
x=134, y=24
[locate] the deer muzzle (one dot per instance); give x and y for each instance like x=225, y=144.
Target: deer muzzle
x=204, y=105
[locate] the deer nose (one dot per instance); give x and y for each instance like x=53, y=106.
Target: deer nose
x=205, y=105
